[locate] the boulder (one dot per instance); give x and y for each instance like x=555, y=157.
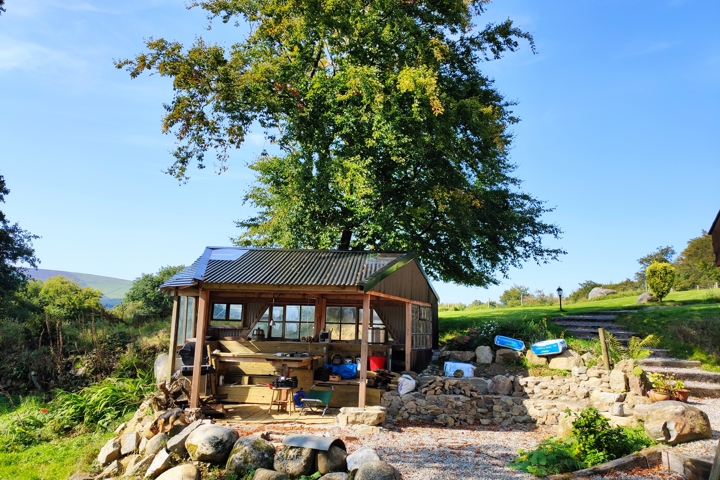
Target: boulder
x=598, y=292
x=176, y=444
x=109, y=452
x=564, y=361
x=156, y=443
x=505, y=356
x=186, y=471
x=358, y=457
x=460, y=356
x=618, y=381
x=372, y=415
x=129, y=443
x=250, y=452
x=335, y=476
x=483, y=354
x=295, y=461
x=210, y=443
x=110, y=471
x=674, y=422
x=377, y=470
x=533, y=359
x=267, y=474
x=646, y=297
x=138, y=466
x=160, y=463
x=334, y=460
x=160, y=368
x=603, y=401
x=501, y=385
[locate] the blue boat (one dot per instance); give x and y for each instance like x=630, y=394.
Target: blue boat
x=511, y=343
x=549, y=347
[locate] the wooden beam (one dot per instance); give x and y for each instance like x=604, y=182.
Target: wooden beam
x=320, y=311
x=200, y=331
x=400, y=299
x=364, y=352
x=172, y=351
x=408, y=336
x=258, y=287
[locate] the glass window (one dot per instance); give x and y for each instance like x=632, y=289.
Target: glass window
x=226, y=315
x=345, y=324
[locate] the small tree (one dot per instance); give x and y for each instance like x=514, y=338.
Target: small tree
x=514, y=296
x=144, y=292
x=660, y=278
x=66, y=299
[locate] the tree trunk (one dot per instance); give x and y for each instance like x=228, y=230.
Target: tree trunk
x=345, y=240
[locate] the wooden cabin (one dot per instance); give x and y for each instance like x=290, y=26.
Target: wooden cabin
x=257, y=313
x=715, y=233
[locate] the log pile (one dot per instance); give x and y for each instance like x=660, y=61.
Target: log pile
x=449, y=386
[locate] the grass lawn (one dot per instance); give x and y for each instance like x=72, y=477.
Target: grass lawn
x=53, y=460
x=688, y=322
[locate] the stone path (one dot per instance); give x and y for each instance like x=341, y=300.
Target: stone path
x=700, y=382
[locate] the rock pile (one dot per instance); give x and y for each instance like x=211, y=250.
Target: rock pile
x=180, y=453
x=448, y=386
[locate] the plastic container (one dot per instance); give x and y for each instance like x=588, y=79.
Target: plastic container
x=377, y=363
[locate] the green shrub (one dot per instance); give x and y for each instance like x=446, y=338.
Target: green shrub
x=594, y=441
x=660, y=279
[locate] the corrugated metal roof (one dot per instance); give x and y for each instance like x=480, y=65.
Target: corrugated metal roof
x=263, y=266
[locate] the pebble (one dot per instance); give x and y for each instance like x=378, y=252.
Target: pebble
x=431, y=452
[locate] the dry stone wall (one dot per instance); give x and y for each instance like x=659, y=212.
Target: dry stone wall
x=542, y=400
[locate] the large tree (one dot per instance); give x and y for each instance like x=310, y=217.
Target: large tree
x=695, y=266
x=16, y=253
x=385, y=133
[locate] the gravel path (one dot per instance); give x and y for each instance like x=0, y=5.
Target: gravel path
x=429, y=452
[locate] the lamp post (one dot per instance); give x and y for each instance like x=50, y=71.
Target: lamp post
x=560, y=292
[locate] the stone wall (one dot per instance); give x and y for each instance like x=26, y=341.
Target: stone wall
x=541, y=400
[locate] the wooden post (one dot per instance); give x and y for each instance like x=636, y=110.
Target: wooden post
x=364, y=351
x=203, y=306
x=603, y=347
x=320, y=309
x=715, y=472
x=408, y=336
x=172, y=351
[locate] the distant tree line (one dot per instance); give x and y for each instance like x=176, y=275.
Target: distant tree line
x=693, y=268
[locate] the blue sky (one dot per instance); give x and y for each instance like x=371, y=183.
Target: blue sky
x=620, y=133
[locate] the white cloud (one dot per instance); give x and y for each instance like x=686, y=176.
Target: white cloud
x=32, y=57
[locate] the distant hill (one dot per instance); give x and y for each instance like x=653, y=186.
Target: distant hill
x=113, y=289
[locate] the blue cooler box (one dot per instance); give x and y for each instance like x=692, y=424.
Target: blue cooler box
x=549, y=347
x=511, y=343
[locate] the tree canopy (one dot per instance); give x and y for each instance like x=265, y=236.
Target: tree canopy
x=695, y=266
x=16, y=252
x=146, y=296
x=385, y=133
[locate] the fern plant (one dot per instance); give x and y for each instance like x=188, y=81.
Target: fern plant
x=641, y=348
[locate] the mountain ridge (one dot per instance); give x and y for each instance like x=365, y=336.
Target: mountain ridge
x=113, y=289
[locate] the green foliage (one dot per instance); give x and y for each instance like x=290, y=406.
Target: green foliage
x=513, y=296
x=660, y=255
x=483, y=333
x=594, y=441
x=385, y=133
x=144, y=296
x=16, y=252
x=64, y=298
x=551, y=457
x=638, y=348
x=695, y=266
x=660, y=279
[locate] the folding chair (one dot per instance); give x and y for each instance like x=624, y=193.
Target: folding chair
x=316, y=400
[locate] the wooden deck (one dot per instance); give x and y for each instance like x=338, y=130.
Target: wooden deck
x=260, y=414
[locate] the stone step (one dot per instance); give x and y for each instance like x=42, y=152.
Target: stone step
x=648, y=363
x=689, y=374
x=600, y=317
x=581, y=323
x=659, y=353
x=702, y=390
x=622, y=336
